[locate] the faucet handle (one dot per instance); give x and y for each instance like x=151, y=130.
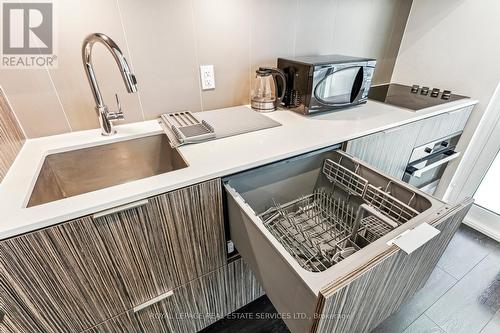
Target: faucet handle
x=118, y=104
x=117, y=115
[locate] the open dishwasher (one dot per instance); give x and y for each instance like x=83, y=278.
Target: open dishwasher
x=311, y=226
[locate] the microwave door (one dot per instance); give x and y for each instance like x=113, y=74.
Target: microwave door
x=339, y=87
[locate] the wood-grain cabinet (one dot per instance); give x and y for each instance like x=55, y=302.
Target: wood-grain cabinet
x=326, y=277
x=96, y=269
x=193, y=306
x=390, y=150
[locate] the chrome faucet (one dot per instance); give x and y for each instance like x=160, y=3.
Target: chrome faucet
x=106, y=116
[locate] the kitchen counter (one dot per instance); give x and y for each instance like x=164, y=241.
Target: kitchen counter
x=297, y=135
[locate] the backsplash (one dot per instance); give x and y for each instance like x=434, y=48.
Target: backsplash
x=11, y=136
x=165, y=42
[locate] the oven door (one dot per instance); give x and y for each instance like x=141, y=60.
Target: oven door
x=426, y=173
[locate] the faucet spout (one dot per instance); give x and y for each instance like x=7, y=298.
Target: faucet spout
x=105, y=116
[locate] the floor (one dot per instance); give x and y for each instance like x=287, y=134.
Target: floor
x=461, y=296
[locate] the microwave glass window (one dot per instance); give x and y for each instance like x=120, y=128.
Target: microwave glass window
x=336, y=87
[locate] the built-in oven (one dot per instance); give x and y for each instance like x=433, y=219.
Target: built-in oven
x=428, y=162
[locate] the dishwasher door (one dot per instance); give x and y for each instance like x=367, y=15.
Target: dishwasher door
x=280, y=261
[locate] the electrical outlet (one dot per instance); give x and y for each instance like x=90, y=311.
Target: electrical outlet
x=207, y=76
x=230, y=246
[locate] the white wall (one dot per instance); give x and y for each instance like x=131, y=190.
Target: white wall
x=166, y=40
x=453, y=44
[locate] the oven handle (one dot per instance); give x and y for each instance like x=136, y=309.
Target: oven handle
x=415, y=172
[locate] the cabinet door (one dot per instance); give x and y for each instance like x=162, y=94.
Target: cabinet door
x=170, y=240
x=388, y=151
x=16, y=316
x=198, y=304
x=444, y=125
x=358, y=302
x=62, y=276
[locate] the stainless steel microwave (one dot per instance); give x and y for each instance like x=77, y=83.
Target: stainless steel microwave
x=327, y=82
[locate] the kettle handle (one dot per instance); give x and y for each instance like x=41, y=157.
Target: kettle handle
x=276, y=72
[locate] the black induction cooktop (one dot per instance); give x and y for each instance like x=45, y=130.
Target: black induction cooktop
x=413, y=98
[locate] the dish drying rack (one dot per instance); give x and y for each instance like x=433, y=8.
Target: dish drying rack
x=186, y=127
x=323, y=228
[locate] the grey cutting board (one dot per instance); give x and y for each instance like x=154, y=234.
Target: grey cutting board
x=235, y=120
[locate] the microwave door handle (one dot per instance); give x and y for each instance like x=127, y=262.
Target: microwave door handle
x=419, y=172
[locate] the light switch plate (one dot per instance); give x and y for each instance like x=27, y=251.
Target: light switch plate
x=207, y=77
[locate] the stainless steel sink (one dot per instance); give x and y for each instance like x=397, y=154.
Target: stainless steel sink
x=84, y=170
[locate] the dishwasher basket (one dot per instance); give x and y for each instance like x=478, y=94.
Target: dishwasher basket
x=333, y=222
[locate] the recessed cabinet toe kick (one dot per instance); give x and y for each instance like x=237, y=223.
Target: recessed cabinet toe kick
x=315, y=231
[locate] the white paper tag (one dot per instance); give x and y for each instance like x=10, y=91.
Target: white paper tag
x=412, y=239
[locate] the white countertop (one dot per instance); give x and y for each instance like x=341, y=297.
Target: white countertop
x=297, y=135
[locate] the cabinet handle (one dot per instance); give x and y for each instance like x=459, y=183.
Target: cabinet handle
x=153, y=301
x=120, y=208
x=412, y=239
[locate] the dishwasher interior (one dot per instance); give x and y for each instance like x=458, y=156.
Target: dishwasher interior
x=324, y=207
